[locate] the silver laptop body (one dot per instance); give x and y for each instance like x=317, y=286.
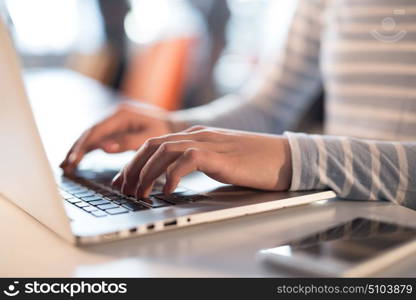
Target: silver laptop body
x=28, y=181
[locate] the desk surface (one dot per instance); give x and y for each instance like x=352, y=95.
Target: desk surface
x=224, y=249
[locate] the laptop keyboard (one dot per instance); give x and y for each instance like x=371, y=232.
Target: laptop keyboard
x=92, y=192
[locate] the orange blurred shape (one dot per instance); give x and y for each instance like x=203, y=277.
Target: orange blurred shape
x=157, y=73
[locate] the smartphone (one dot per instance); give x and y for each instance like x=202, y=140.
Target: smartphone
x=357, y=248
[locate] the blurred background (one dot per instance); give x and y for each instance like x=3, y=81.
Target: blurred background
x=171, y=53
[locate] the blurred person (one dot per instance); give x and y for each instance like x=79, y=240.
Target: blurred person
x=166, y=51
x=366, y=66
x=201, y=88
x=113, y=14
x=173, y=68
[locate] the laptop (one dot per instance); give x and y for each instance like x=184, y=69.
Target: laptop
x=84, y=209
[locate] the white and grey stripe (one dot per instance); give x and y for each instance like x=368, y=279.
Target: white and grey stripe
x=369, y=78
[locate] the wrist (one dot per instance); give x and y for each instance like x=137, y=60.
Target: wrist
x=283, y=164
x=285, y=172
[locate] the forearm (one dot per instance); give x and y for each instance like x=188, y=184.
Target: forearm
x=353, y=168
x=232, y=112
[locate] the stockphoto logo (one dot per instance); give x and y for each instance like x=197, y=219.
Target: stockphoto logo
x=390, y=32
x=12, y=289
x=71, y=288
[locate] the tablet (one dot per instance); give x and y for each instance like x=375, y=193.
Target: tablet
x=357, y=248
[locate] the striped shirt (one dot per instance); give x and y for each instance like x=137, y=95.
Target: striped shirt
x=362, y=53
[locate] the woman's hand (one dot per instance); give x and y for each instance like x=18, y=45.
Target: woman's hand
x=232, y=157
x=127, y=129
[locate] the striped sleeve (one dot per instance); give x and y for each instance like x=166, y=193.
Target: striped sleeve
x=353, y=168
x=286, y=91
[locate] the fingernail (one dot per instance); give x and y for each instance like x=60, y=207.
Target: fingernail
x=113, y=182
x=72, y=158
x=116, y=176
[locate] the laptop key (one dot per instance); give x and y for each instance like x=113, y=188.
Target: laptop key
x=115, y=197
x=73, y=200
x=92, y=198
x=89, y=208
x=84, y=194
x=99, y=202
x=116, y=211
x=65, y=195
x=81, y=204
x=76, y=189
x=105, y=193
x=134, y=206
x=68, y=185
x=107, y=206
x=120, y=201
x=155, y=202
x=98, y=213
